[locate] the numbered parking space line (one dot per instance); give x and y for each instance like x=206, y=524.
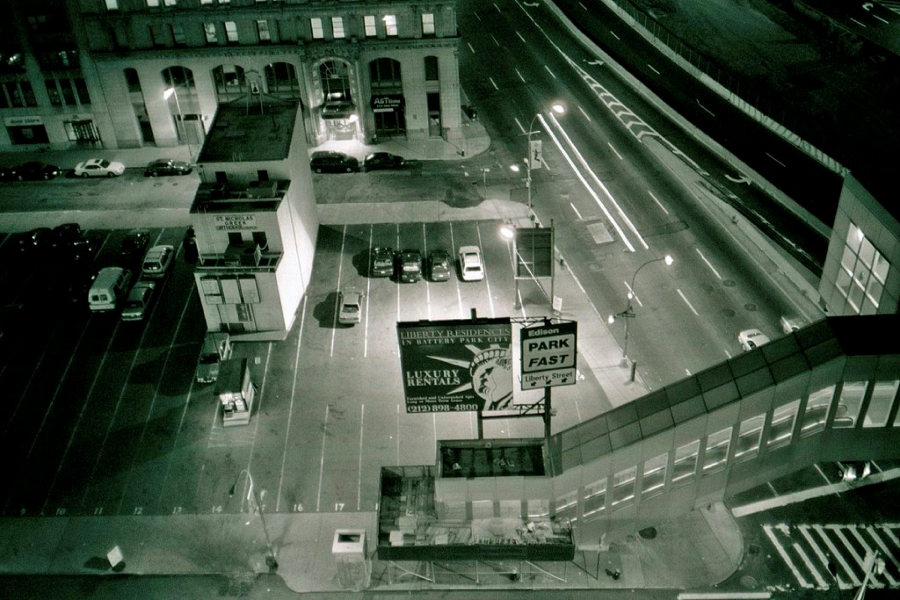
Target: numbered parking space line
x=290, y=415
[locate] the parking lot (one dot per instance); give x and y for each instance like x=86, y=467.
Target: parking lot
x=103, y=417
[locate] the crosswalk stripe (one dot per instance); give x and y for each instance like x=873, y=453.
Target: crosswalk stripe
x=873, y=531
x=784, y=556
x=837, y=554
x=809, y=565
x=865, y=544
x=804, y=531
x=860, y=560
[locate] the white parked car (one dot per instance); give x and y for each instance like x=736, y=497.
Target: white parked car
x=350, y=306
x=471, y=266
x=751, y=339
x=157, y=261
x=99, y=167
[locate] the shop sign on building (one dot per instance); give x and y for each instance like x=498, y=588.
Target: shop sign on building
x=236, y=223
x=387, y=102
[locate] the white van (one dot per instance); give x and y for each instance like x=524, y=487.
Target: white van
x=108, y=289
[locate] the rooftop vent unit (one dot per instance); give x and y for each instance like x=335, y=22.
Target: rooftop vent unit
x=245, y=254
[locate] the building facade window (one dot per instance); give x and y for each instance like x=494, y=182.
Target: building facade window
x=337, y=27
x=209, y=30
x=428, y=24
x=594, y=499
x=19, y=94
x=566, y=506
x=390, y=25
x=781, y=431
x=369, y=22
x=850, y=403
x=231, y=32
x=623, y=487
x=816, y=412
x=178, y=34
x=862, y=274
x=883, y=395
x=654, y=479
x=318, y=30
x=159, y=35
x=282, y=80
x=262, y=29
x=749, y=438
x=431, y=68
x=716, y=455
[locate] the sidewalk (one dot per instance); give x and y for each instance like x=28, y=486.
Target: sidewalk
x=696, y=551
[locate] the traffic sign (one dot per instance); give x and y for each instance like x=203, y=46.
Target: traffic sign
x=548, y=355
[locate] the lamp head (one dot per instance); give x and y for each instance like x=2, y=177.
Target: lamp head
x=507, y=231
x=558, y=109
x=669, y=260
x=611, y=319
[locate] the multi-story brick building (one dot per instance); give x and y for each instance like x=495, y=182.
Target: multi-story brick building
x=131, y=73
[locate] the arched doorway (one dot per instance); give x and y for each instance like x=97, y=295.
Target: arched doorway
x=339, y=114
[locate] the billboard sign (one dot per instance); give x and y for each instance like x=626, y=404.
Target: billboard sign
x=452, y=366
x=548, y=355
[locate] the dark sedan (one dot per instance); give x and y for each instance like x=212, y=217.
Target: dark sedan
x=383, y=160
x=167, y=166
x=35, y=171
x=334, y=162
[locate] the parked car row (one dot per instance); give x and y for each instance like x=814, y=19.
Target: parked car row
x=408, y=265
x=327, y=161
x=93, y=167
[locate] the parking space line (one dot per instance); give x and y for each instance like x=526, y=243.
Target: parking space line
x=397, y=246
x=487, y=280
x=338, y=287
x=156, y=387
x=322, y=457
x=425, y=258
x=362, y=423
x=62, y=459
x=398, y=434
x=368, y=295
x=112, y=420
x=290, y=416
x=456, y=279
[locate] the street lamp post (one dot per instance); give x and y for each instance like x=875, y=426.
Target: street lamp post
x=532, y=155
x=253, y=497
x=628, y=313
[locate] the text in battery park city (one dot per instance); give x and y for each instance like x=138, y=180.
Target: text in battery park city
x=451, y=366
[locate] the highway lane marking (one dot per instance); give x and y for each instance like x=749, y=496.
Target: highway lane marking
x=687, y=302
x=287, y=433
x=772, y=487
x=578, y=214
x=470, y=47
x=499, y=11
x=775, y=159
x=362, y=423
x=614, y=150
x=704, y=108
x=521, y=38
x=520, y=76
x=322, y=457
x=549, y=71
x=653, y=68
x=585, y=115
x=784, y=556
x=495, y=40
x=658, y=203
x=613, y=33
x=491, y=79
x=708, y=264
x=633, y=295
x=587, y=186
